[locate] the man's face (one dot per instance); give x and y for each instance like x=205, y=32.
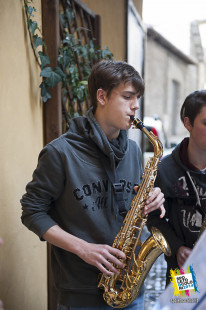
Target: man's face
x=117, y=109
x=198, y=130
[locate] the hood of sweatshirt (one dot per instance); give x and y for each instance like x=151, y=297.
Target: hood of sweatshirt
x=87, y=130
x=194, y=173
x=194, y=178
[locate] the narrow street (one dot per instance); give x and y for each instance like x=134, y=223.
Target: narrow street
x=155, y=282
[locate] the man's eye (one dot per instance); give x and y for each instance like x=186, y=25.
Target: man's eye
x=126, y=97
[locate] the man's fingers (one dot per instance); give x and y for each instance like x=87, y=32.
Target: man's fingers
x=109, y=264
x=155, y=201
x=182, y=255
x=163, y=211
x=117, y=253
x=106, y=258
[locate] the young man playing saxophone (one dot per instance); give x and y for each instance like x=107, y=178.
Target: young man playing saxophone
x=71, y=202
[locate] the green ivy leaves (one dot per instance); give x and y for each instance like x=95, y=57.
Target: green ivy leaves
x=44, y=59
x=53, y=76
x=74, y=61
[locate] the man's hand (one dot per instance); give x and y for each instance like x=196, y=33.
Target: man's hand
x=155, y=201
x=103, y=257
x=182, y=254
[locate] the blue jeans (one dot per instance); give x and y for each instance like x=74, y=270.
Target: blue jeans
x=133, y=306
x=138, y=304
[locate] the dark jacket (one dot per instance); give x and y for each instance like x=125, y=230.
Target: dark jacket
x=71, y=188
x=185, y=204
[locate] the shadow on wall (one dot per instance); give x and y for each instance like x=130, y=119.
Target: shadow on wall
x=1, y=303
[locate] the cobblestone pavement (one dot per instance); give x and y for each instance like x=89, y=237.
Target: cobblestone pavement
x=155, y=282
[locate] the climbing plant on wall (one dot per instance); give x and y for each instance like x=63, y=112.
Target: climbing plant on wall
x=74, y=62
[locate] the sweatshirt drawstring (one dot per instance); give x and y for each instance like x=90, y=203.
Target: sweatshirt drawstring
x=195, y=189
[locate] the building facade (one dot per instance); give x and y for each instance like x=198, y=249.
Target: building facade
x=170, y=76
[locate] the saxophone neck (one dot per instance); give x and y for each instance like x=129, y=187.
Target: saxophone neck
x=158, y=148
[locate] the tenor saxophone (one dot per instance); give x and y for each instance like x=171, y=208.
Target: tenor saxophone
x=122, y=289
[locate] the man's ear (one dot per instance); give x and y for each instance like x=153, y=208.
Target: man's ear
x=101, y=96
x=187, y=124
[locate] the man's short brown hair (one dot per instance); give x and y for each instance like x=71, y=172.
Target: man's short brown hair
x=108, y=74
x=193, y=105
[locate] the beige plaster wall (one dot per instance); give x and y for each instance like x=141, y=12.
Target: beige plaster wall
x=22, y=256
x=112, y=24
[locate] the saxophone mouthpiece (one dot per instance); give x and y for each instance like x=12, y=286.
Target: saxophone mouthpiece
x=137, y=122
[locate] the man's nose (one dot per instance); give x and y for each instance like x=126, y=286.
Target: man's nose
x=135, y=104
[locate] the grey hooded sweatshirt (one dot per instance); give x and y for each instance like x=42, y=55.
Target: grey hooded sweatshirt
x=71, y=188
x=185, y=203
